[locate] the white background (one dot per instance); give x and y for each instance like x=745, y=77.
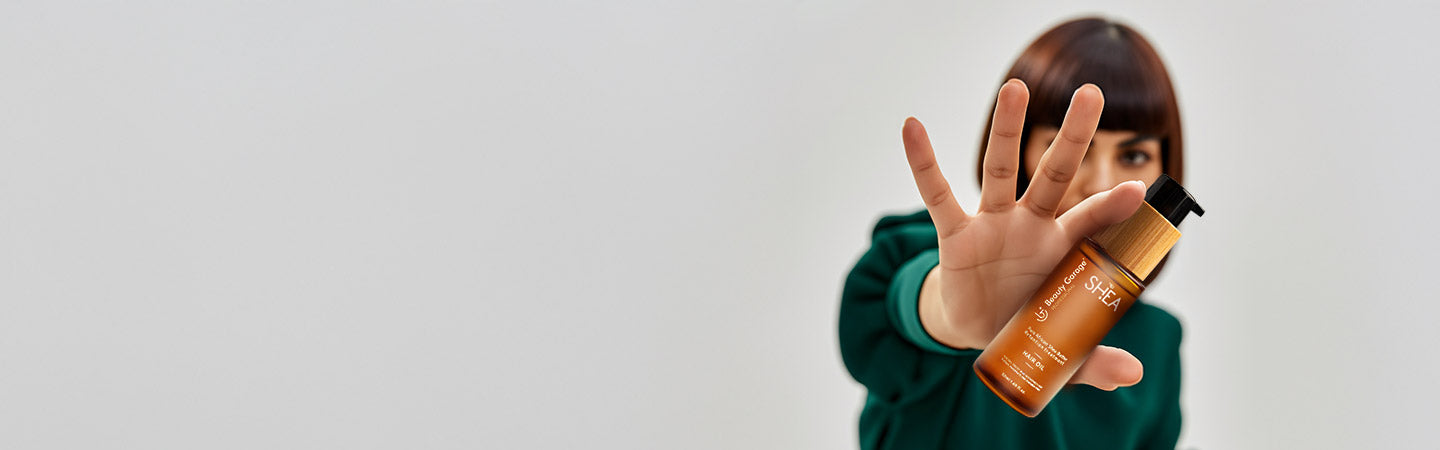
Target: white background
x=626, y=224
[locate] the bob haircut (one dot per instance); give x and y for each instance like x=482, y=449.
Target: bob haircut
x=1113, y=56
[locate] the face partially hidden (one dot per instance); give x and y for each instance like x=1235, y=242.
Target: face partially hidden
x=1114, y=157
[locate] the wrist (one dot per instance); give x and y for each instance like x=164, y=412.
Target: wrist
x=935, y=316
x=937, y=319
x=903, y=302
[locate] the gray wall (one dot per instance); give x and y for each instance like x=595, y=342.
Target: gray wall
x=555, y=225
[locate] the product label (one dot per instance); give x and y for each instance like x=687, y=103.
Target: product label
x=1042, y=311
x=1107, y=295
x=1039, y=350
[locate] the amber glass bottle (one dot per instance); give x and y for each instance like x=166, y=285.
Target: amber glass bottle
x=1051, y=336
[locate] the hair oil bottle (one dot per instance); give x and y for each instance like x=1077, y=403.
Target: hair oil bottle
x=1051, y=336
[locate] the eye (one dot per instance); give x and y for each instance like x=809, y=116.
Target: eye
x=1133, y=157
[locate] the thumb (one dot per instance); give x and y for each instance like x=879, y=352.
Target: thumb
x=1103, y=209
x=1109, y=368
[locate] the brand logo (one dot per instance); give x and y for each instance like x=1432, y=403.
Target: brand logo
x=1104, y=294
x=1041, y=313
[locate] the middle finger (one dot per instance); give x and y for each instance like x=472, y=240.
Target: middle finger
x=1060, y=162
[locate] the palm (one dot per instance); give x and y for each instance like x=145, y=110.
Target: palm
x=990, y=262
x=999, y=258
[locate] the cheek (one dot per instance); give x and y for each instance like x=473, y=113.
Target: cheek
x=1145, y=172
x=1155, y=165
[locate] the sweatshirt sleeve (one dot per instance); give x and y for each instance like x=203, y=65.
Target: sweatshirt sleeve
x=902, y=301
x=882, y=342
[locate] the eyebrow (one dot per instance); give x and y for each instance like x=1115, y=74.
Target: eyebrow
x=1138, y=139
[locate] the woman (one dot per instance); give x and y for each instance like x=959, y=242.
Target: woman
x=937, y=285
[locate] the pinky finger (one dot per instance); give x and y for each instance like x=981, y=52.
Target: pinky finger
x=939, y=199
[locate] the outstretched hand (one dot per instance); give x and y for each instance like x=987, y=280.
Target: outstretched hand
x=993, y=260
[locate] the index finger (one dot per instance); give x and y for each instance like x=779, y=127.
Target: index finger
x=949, y=218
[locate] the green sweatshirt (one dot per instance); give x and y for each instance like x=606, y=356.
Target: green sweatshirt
x=924, y=395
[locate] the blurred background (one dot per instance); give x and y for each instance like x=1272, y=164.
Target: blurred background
x=539, y=224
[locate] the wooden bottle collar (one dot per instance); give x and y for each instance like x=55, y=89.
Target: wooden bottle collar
x=1140, y=242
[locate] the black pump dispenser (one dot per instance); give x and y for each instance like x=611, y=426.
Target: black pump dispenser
x=1171, y=200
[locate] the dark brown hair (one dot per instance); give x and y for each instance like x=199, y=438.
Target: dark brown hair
x=1113, y=56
